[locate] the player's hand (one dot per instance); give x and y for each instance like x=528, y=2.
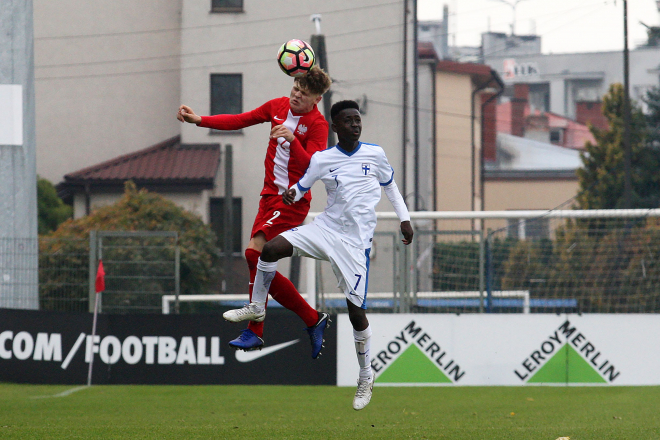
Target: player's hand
x=186, y=114
x=407, y=231
x=289, y=196
x=281, y=131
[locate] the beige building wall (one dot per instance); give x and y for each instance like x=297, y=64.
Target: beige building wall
x=528, y=194
x=453, y=137
x=502, y=195
x=107, y=80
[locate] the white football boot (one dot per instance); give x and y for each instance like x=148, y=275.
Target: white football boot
x=363, y=394
x=250, y=312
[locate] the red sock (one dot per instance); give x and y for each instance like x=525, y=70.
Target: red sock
x=285, y=293
x=252, y=257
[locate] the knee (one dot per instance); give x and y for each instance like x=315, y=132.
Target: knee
x=358, y=318
x=269, y=253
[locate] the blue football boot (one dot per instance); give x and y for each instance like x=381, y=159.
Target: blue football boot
x=247, y=341
x=316, y=333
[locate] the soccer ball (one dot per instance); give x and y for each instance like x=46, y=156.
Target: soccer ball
x=295, y=58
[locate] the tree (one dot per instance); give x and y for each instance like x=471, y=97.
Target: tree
x=52, y=211
x=137, y=210
x=652, y=100
x=601, y=177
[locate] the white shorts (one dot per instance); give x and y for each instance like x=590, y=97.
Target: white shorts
x=349, y=263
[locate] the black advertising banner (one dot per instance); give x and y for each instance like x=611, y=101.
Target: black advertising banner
x=55, y=348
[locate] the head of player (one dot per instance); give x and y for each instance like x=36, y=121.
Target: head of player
x=307, y=90
x=347, y=123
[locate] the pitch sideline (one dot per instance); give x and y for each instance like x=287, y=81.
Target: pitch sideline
x=62, y=394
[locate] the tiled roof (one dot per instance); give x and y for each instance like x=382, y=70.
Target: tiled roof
x=426, y=51
x=166, y=162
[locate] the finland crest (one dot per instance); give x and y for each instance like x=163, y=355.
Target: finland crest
x=366, y=168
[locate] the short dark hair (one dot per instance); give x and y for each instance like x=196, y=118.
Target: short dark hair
x=343, y=105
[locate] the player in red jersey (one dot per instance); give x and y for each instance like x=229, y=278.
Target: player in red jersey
x=298, y=130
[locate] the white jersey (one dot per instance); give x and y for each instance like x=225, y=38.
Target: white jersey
x=353, y=183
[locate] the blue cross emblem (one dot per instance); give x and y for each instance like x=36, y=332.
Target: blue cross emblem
x=366, y=168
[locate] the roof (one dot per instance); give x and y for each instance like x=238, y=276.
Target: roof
x=521, y=154
x=426, y=51
x=480, y=73
x=164, y=163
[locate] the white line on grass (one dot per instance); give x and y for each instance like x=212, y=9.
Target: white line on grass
x=62, y=394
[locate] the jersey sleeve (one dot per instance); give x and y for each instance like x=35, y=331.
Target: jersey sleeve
x=312, y=174
x=384, y=172
x=236, y=122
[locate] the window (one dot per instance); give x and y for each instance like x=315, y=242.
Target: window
x=539, y=97
x=226, y=95
x=556, y=136
x=217, y=206
x=226, y=5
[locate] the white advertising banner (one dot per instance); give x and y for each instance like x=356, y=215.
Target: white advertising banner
x=498, y=349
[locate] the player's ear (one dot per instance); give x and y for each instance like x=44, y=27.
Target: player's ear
x=318, y=99
x=333, y=126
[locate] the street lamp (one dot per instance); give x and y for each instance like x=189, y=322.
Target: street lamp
x=513, y=4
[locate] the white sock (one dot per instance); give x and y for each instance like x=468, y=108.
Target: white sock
x=362, y=347
x=265, y=274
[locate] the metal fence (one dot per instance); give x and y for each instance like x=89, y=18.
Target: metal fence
x=140, y=268
x=597, y=261
x=460, y=262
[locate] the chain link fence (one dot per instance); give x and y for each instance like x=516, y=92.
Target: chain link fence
x=470, y=262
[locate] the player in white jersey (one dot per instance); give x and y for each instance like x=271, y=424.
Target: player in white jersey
x=353, y=173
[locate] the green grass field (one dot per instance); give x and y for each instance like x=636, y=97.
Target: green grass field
x=306, y=412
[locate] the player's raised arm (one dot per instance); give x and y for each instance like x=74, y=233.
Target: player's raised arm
x=186, y=114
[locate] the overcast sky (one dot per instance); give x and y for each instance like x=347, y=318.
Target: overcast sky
x=564, y=25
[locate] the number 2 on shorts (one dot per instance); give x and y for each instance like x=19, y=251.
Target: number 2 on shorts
x=358, y=281
x=275, y=215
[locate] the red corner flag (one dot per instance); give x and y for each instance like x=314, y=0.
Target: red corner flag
x=100, y=278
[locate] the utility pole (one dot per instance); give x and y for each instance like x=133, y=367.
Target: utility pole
x=627, y=182
x=18, y=176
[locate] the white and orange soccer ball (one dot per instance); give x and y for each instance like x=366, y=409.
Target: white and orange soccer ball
x=295, y=58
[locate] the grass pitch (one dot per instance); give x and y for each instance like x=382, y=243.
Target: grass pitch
x=308, y=412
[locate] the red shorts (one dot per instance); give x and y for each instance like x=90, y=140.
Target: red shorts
x=274, y=217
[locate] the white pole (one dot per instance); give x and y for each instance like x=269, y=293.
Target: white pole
x=91, y=359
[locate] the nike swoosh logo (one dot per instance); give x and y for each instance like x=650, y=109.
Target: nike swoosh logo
x=332, y=171
x=249, y=356
x=278, y=119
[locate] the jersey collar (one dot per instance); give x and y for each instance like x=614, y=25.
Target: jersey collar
x=352, y=152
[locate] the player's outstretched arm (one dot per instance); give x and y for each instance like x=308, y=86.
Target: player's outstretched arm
x=407, y=231
x=186, y=114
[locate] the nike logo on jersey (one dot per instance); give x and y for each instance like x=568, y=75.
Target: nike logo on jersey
x=249, y=356
x=332, y=171
x=278, y=119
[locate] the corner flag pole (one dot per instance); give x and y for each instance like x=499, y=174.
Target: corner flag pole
x=100, y=287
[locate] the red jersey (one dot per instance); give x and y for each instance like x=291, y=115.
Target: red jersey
x=285, y=162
